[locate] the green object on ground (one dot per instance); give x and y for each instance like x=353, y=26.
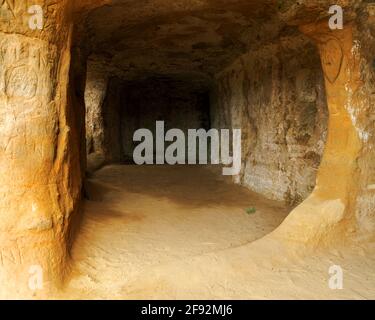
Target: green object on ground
x=251, y=210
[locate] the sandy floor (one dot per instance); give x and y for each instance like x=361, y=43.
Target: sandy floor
x=183, y=232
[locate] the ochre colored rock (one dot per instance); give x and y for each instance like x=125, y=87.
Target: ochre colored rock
x=303, y=95
x=39, y=169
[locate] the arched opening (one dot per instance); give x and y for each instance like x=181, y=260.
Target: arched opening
x=199, y=68
x=76, y=208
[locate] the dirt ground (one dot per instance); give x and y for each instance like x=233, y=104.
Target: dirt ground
x=180, y=232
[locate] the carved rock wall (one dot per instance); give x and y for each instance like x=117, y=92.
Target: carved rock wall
x=276, y=95
x=364, y=117
x=40, y=166
x=111, y=124
x=95, y=92
x=341, y=207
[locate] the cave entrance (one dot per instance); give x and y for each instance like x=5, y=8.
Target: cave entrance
x=262, y=74
x=154, y=106
x=196, y=69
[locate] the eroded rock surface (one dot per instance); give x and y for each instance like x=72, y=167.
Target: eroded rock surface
x=276, y=95
x=39, y=161
x=264, y=62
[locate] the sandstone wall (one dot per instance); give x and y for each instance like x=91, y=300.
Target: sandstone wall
x=112, y=105
x=341, y=207
x=40, y=165
x=276, y=95
x=362, y=109
x=95, y=92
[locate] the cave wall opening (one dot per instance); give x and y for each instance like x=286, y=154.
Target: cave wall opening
x=274, y=94
x=268, y=82
x=179, y=104
x=116, y=109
